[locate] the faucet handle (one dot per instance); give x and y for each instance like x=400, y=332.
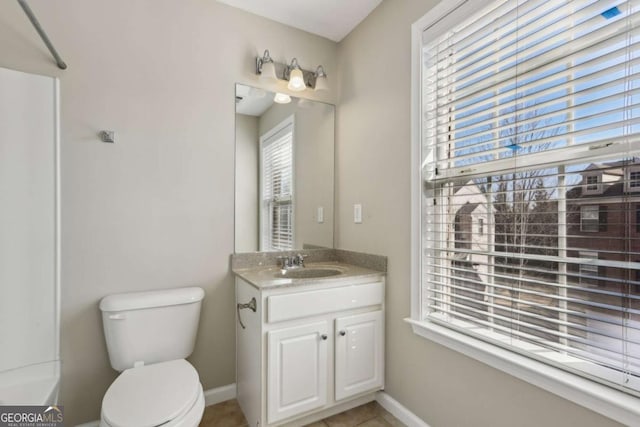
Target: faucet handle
x=299, y=259
x=285, y=261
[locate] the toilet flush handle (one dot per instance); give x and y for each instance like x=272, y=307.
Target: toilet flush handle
x=118, y=316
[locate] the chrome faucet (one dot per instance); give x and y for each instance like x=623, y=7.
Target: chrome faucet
x=299, y=260
x=291, y=262
x=285, y=262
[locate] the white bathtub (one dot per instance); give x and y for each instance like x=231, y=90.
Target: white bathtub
x=31, y=385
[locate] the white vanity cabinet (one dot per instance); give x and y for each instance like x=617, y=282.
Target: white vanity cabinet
x=309, y=351
x=358, y=354
x=297, y=366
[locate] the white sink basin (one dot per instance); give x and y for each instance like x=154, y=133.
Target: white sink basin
x=309, y=273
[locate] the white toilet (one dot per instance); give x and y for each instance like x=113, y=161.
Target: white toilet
x=148, y=335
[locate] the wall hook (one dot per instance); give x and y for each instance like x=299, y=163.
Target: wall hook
x=107, y=136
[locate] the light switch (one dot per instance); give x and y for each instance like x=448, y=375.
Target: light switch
x=320, y=215
x=357, y=213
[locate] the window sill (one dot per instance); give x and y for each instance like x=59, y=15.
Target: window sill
x=604, y=400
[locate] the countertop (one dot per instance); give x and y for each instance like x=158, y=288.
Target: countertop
x=267, y=277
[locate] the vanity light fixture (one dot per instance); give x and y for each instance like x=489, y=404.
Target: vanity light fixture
x=321, y=79
x=266, y=67
x=297, y=78
x=282, y=98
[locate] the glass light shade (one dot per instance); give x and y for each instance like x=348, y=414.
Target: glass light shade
x=296, y=80
x=282, y=98
x=268, y=71
x=321, y=83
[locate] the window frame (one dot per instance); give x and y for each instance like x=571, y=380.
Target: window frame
x=607, y=401
x=635, y=170
x=598, y=184
x=589, y=225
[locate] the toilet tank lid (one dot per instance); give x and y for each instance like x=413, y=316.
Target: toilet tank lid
x=150, y=299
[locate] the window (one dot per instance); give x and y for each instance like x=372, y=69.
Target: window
x=634, y=180
x=593, y=184
x=276, y=188
x=526, y=106
x=589, y=218
x=481, y=226
x=593, y=218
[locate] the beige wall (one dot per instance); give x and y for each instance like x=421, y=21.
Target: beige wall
x=155, y=209
x=246, y=175
x=313, y=167
x=373, y=161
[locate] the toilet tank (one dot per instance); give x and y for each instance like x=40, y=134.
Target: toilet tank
x=150, y=327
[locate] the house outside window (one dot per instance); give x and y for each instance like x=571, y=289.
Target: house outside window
x=523, y=116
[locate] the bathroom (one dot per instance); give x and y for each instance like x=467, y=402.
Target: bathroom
x=155, y=209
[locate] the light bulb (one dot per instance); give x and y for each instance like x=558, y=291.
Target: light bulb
x=296, y=79
x=282, y=98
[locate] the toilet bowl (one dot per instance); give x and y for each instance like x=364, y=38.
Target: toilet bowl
x=167, y=394
x=148, y=336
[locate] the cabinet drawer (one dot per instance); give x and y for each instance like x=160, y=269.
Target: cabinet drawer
x=311, y=303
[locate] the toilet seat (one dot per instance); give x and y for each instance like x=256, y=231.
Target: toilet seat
x=152, y=395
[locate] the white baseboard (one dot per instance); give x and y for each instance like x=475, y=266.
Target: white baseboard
x=400, y=412
x=228, y=392
x=219, y=394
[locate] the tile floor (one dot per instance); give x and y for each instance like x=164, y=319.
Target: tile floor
x=228, y=414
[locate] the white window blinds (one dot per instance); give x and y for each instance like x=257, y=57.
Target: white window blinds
x=522, y=103
x=277, y=190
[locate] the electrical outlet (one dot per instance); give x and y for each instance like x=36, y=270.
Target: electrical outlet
x=320, y=215
x=357, y=213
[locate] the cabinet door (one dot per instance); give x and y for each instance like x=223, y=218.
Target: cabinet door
x=296, y=370
x=359, y=354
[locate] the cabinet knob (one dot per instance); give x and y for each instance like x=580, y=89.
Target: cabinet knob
x=343, y=333
x=324, y=336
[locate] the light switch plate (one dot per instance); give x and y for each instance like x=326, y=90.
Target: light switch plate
x=357, y=213
x=320, y=215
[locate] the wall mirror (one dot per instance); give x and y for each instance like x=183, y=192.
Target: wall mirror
x=284, y=172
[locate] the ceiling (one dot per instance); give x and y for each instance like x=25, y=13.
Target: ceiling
x=252, y=101
x=333, y=19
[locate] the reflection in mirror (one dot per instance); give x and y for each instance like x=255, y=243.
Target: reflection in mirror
x=284, y=172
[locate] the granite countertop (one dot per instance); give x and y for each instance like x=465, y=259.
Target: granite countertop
x=269, y=276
